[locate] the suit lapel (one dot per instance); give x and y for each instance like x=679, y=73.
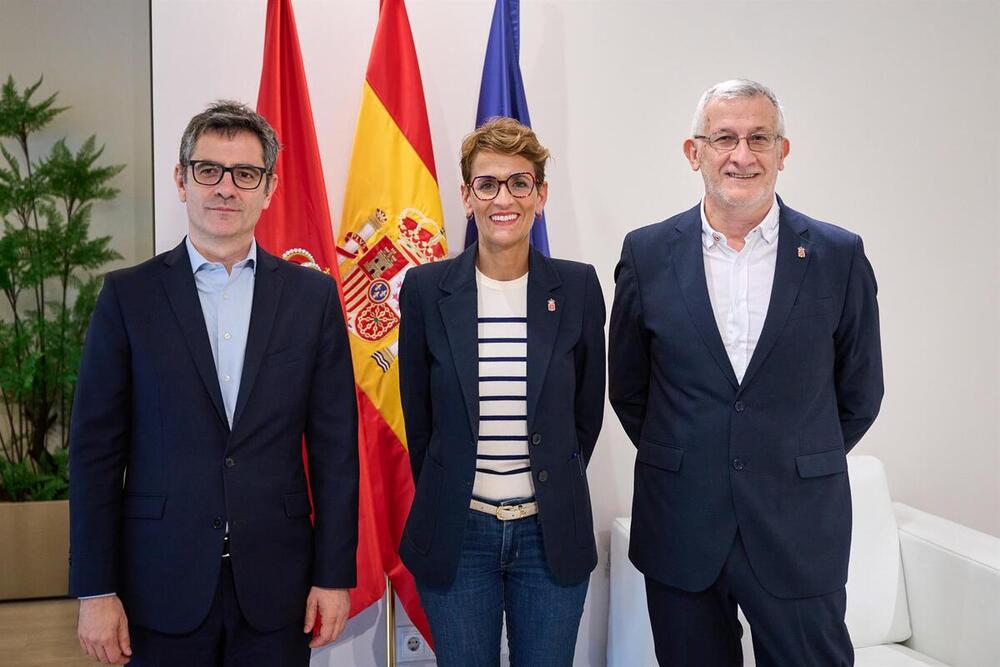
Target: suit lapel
x=266, y=296
x=178, y=282
x=459, y=313
x=543, y=324
x=789, y=270
x=689, y=264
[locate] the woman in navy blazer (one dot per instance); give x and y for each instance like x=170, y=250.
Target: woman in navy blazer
x=502, y=374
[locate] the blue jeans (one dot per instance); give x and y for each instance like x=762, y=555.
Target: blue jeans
x=502, y=570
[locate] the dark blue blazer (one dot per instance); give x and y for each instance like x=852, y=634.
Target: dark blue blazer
x=156, y=473
x=439, y=382
x=765, y=456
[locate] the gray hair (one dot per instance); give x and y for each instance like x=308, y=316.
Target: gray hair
x=731, y=90
x=229, y=117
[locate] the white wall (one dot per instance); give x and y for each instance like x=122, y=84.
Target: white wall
x=891, y=112
x=96, y=56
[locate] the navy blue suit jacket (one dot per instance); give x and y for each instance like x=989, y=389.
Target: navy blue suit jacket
x=156, y=472
x=439, y=381
x=765, y=456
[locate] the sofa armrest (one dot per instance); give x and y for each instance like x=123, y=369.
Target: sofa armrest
x=952, y=578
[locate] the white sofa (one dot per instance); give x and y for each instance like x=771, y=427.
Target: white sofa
x=921, y=590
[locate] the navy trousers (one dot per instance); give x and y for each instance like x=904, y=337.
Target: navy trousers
x=702, y=629
x=224, y=639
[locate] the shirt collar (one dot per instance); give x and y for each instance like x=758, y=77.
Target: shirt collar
x=198, y=260
x=768, y=226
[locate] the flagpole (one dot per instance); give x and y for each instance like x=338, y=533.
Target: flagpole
x=390, y=624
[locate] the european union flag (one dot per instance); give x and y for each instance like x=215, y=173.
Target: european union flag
x=501, y=93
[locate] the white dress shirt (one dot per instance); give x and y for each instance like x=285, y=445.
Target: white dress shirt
x=739, y=284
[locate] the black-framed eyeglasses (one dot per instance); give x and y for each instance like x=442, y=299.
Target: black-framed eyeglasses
x=486, y=188
x=724, y=142
x=245, y=176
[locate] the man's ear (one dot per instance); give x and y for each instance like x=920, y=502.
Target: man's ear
x=180, y=180
x=785, y=149
x=271, y=183
x=691, y=153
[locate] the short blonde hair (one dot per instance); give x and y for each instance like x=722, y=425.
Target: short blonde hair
x=505, y=136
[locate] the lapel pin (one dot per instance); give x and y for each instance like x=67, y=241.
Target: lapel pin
x=552, y=305
x=802, y=252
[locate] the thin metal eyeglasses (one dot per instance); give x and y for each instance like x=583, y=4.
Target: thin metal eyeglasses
x=486, y=188
x=724, y=142
x=245, y=176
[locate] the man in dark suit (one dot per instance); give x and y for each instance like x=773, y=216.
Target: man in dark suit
x=204, y=367
x=744, y=364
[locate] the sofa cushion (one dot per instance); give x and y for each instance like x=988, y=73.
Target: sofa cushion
x=892, y=655
x=876, y=594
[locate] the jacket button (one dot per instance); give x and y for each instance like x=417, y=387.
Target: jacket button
x=543, y=476
x=230, y=462
x=739, y=406
x=738, y=464
x=536, y=438
x=217, y=522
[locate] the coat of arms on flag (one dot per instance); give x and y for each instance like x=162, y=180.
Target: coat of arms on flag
x=373, y=262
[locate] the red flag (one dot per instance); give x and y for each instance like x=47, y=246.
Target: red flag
x=297, y=227
x=299, y=215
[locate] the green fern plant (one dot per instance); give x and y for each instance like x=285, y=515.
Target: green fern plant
x=48, y=265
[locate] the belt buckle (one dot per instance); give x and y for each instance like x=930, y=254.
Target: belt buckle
x=510, y=512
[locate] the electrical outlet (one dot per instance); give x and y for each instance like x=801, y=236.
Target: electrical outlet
x=411, y=646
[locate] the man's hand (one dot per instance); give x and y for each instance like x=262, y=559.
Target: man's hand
x=329, y=605
x=102, y=629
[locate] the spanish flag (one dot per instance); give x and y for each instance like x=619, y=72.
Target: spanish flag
x=391, y=222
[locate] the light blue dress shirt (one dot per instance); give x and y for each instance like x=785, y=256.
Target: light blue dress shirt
x=226, y=300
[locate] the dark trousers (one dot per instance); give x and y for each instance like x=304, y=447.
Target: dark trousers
x=224, y=639
x=702, y=630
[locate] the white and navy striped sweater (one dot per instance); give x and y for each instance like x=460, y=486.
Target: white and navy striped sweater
x=502, y=466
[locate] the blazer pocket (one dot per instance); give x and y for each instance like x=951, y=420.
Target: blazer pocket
x=583, y=515
x=283, y=357
x=660, y=456
x=422, y=520
x=144, y=507
x=297, y=505
x=812, y=307
x=830, y=462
